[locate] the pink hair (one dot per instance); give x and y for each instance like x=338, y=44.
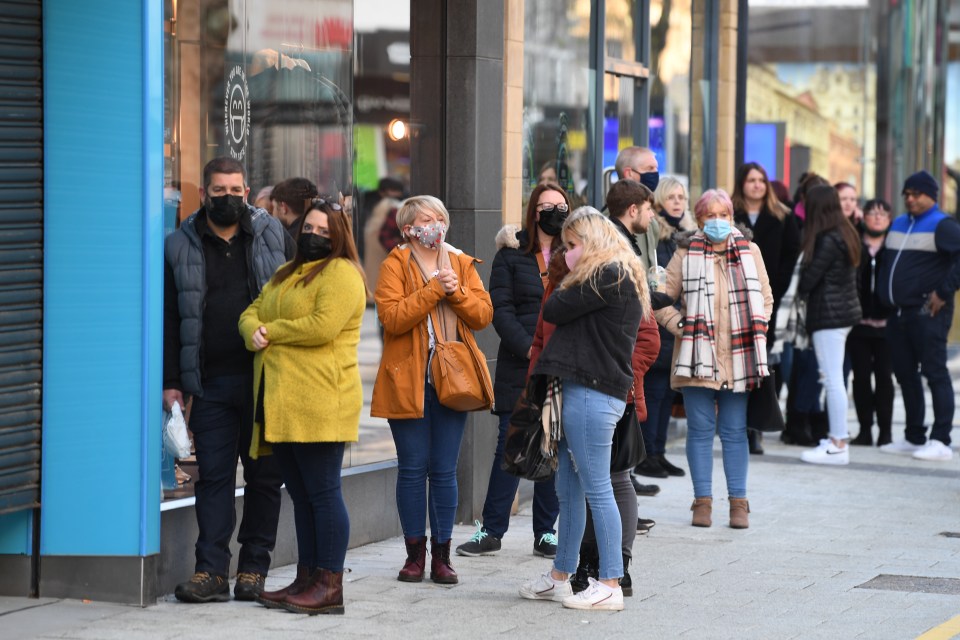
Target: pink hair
x=708, y=198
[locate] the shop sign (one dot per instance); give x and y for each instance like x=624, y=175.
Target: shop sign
x=236, y=112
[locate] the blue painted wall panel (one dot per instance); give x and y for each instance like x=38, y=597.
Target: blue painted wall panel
x=94, y=431
x=16, y=533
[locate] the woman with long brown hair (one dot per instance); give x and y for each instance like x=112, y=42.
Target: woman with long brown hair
x=828, y=285
x=305, y=328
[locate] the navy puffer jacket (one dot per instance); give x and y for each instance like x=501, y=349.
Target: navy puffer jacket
x=516, y=291
x=829, y=284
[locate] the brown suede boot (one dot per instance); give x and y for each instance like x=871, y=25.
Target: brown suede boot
x=441, y=571
x=701, y=508
x=739, y=508
x=273, y=599
x=416, y=560
x=324, y=594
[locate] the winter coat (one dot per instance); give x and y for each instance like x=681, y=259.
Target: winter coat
x=595, y=335
x=312, y=387
x=665, y=250
x=403, y=303
x=270, y=247
x=779, y=242
x=829, y=285
x=671, y=318
x=516, y=291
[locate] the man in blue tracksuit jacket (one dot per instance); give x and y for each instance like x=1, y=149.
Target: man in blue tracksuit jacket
x=918, y=280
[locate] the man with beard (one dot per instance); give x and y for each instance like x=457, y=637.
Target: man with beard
x=216, y=264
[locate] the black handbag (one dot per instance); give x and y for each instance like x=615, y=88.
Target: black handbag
x=628, y=448
x=763, y=407
x=522, y=452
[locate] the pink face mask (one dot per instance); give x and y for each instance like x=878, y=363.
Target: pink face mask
x=572, y=256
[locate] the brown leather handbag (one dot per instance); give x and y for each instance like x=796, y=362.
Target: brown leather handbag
x=461, y=380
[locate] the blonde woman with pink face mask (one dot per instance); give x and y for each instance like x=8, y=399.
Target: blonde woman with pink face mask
x=596, y=311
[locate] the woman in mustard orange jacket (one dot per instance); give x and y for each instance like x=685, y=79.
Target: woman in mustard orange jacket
x=425, y=282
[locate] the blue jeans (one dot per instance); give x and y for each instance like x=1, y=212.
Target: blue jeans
x=659, y=400
x=502, y=489
x=222, y=425
x=918, y=347
x=830, y=347
x=583, y=473
x=427, y=451
x=709, y=411
x=311, y=471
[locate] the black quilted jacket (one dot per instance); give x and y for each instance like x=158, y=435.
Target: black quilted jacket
x=829, y=284
x=516, y=291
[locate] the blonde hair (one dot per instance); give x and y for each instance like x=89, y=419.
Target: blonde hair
x=665, y=187
x=603, y=245
x=413, y=205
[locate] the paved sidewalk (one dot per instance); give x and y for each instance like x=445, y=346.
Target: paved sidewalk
x=818, y=535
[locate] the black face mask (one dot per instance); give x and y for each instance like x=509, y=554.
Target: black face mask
x=225, y=211
x=875, y=234
x=313, y=247
x=551, y=222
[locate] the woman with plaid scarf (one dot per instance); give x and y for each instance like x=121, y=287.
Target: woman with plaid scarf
x=721, y=349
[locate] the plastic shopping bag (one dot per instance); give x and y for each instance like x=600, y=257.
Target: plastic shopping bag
x=176, y=442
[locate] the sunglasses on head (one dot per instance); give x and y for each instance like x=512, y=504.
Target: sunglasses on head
x=550, y=208
x=319, y=202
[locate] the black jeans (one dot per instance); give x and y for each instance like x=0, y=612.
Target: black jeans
x=918, y=347
x=311, y=471
x=503, y=488
x=870, y=356
x=222, y=425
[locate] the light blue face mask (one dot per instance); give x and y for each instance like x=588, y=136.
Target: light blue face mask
x=716, y=229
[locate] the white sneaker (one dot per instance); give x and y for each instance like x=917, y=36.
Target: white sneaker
x=827, y=453
x=934, y=450
x=904, y=448
x=546, y=588
x=596, y=597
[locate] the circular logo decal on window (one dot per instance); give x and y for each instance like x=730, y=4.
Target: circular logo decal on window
x=236, y=112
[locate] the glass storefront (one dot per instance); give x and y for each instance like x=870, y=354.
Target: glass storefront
x=272, y=85
x=670, y=47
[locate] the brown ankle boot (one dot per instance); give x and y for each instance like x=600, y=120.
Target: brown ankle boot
x=273, y=599
x=701, y=508
x=739, y=508
x=416, y=560
x=441, y=571
x=323, y=594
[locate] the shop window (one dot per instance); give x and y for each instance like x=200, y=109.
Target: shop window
x=670, y=48
x=271, y=83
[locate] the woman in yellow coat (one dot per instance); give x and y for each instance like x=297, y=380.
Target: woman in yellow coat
x=305, y=328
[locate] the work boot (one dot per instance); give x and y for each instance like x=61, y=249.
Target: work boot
x=739, y=508
x=203, y=587
x=588, y=567
x=702, y=507
x=416, y=560
x=272, y=599
x=323, y=594
x=441, y=571
x=626, y=584
x=249, y=585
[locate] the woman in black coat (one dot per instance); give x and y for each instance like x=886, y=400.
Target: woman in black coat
x=516, y=290
x=775, y=230
x=828, y=285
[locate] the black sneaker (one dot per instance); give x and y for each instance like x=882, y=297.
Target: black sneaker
x=644, y=489
x=670, y=468
x=481, y=544
x=545, y=545
x=203, y=587
x=249, y=586
x=644, y=525
x=650, y=467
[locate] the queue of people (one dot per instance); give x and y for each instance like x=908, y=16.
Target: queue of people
x=618, y=312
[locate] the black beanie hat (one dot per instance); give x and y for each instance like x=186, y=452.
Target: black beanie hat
x=922, y=182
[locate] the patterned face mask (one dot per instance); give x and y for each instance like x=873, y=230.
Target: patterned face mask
x=430, y=236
